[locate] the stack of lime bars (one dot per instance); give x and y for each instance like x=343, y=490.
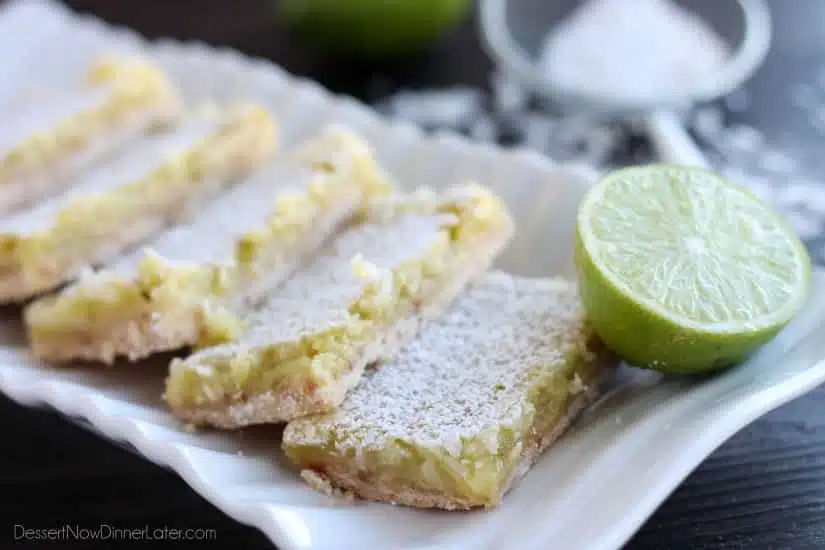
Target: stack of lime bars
x=304, y=287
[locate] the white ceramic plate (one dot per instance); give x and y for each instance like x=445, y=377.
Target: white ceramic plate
x=591, y=492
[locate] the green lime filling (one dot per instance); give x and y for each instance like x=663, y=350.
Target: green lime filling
x=320, y=359
x=133, y=86
x=482, y=470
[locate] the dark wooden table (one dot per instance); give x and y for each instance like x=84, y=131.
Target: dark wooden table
x=764, y=489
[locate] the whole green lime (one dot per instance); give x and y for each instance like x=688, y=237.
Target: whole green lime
x=372, y=28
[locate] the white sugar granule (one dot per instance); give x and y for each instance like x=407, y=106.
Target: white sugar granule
x=538, y=132
x=508, y=94
x=442, y=108
x=818, y=119
x=805, y=225
x=708, y=122
x=815, y=197
x=760, y=186
x=778, y=162
x=484, y=130
x=804, y=96
x=634, y=49
x=738, y=100
x=742, y=139
x=798, y=193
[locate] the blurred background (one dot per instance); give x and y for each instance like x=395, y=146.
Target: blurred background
x=427, y=61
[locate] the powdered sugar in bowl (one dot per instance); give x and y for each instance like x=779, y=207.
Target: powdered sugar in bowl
x=627, y=55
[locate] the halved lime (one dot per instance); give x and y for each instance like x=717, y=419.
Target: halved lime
x=683, y=271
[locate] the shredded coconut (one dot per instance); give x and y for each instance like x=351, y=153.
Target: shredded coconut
x=577, y=385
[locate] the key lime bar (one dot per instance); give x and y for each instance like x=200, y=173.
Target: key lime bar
x=45, y=142
x=118, y=204
x=464, y=410
x=303, y=349
x=184, y=287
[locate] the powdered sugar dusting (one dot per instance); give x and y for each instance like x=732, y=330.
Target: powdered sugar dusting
x=41, y=117
x=466, y=374
x=132, y=164
x=212, y=236
x=318, y=297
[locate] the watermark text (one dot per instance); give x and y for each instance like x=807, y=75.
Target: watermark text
x=107, y=532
